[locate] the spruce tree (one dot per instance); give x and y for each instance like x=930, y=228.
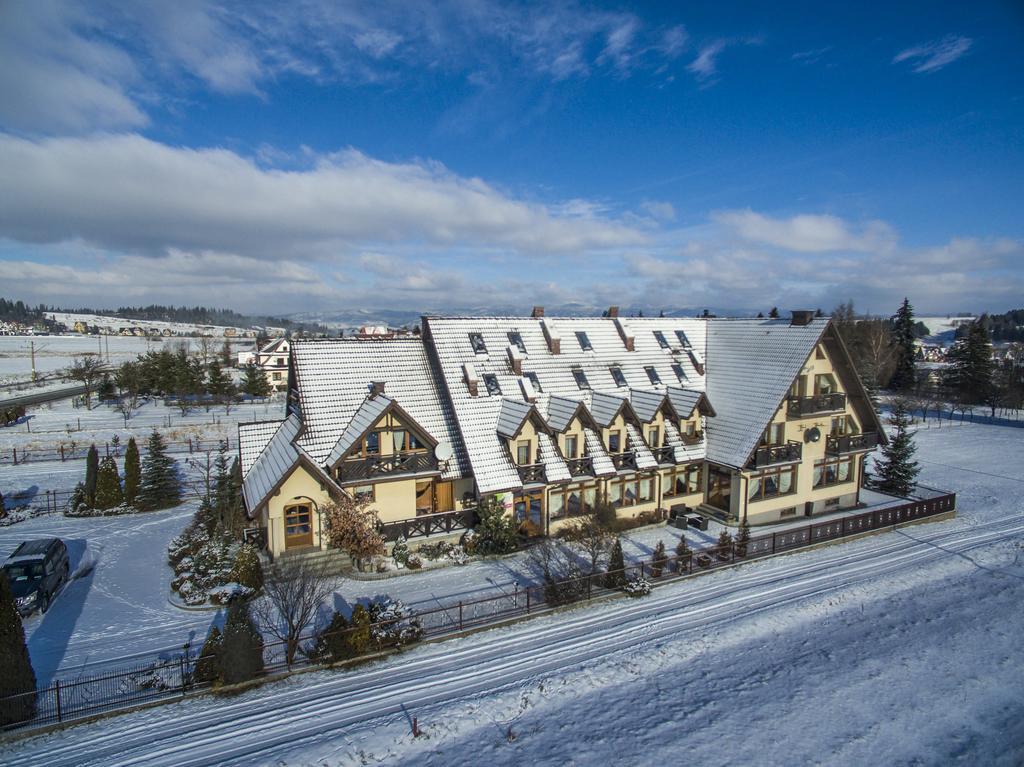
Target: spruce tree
x=160, y=486
x=905, y=375
x=616, y=576
x=92, y=467
x=658, y=559
x=132, y=472
x=742, y=539
x=774, y=313
x=17, y=677
x=108, y=485
x=254, y=381
x=724, y=545
x=897, y=470
x=241, y=649
x=219, y=383
x=207, y=670
x=971, y=368
x=683, y=554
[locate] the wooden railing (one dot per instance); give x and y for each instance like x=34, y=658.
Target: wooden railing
x=798, y=407
x=532, y=474
x=692, y=439
x=623, y=461
x=664, y=454
x=769, y=455
x=850, y=443
x=581, y=467
x=397, y=463
x=429, y=524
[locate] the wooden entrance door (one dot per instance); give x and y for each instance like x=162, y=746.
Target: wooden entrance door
x=444, y=496
x=298, y=527
x=719, y=488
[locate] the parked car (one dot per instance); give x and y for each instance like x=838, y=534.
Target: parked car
x=36, y=571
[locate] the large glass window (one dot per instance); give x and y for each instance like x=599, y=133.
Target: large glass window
x=772, y=483
x=371, y=443
x=571, y=500
x=833, y=472
x=654, y=436
x=571, y=446
x=534, y=381
x=528, y=510
x=684, y=480
x=491, y=382
x=652, y=374
x=523, y=453
x=614, y=442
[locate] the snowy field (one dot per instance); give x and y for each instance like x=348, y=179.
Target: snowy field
x=901, y=648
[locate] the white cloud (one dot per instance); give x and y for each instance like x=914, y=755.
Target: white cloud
x=934, y=55
x=126, y=192
x=806, y=233
x=705, y=65
x=659, y=209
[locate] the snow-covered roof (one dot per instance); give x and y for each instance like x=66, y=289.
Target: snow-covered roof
x=561, y=411
x=684, y=401
x=751, y=364
x=272, y=464
x=366, y=415
x=646, y=403
x=334, y=377
x=252, y=438
x=511, y=416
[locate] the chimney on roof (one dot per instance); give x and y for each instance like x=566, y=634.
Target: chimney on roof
x=538, y=311
x=552, y=337
x=469, y=370
x=613, y=311
x=801, y=317
x=624, y=334
x=376, y=387
x=515, y=359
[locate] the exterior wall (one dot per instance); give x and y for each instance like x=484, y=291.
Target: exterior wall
x=527, y=434
x=575, y=429
x=770, y=509
x=394, y=500
x=299, y=482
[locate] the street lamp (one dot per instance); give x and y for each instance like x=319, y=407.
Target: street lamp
x=319, y=518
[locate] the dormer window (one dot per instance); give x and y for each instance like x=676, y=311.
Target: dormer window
x=581, y=379
x=585, y=344
x=660, y=338
x=534, y=381
x=523, y=453
x=617, y=376
x=371, y=443
x=614, y=442
x=683, y=339
x=654, y=437
x=491, y=382
x=571, y=446
x=477, y=342
x=678, y=370
x=652, y=374
x=515, y=338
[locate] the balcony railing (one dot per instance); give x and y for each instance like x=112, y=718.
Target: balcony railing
x=664, y=454
x=850, y=443
x=532, y=474
x=385, y=465
x=692, y=439
x=770, y=455
x=581, y=467
x=798, y=407
x=443, y=522
x=624, y=461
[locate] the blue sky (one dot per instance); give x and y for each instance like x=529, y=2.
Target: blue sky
x=476, y=154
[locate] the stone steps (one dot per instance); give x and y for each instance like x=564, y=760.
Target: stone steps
x=333, y=561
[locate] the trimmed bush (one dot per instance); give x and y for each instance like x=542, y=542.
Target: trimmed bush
x=132, y=472
x=659, y=560
x=247, y=570
x=241, y=650
x=17, y=676
x=108, y=486
x=207, y=670
x=615, y=578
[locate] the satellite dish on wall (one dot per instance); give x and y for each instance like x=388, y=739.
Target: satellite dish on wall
x=443, y=451
x=812, y=435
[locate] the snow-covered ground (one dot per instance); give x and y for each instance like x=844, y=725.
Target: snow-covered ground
x=942, y=330
x=900, y=648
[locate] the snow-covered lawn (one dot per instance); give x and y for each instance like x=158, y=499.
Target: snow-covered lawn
x=900, y=648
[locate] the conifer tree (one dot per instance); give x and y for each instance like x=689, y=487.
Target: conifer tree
x=160, y=486
x=108, y=485
x=724, y=544
x=17, y=676
x=207, y=668
x=774, y=313
x=971, y=369
x=683, y=554
x=896, y=469
x=905, y=375
x=132, y=472
x=241, y=649
x=616, y=576
x=742, y=539
x=92, y=467
x=219, y=383
x=226, y=358
x=658, y=559
x=254, y=381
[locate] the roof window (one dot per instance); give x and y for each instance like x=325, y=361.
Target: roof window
x=616, y=371
x=581, y=379
x=585, y=344
x=532, y=377
x=660, y=338
x=683, y=339
x=491, y=382
x=678, y=370
x=514, y=337
x=652, y=374
x=477, y=342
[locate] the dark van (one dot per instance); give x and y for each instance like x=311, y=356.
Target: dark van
x=36, y=571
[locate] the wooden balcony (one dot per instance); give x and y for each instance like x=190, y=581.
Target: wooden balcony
x=581, y=467
x=801, y=407
x=692, y=439
x=443, y=522
x=772, y=455
x=386, y=465
x=663, y=455
x=624, y=461
x=532, y=474
x=850, y=443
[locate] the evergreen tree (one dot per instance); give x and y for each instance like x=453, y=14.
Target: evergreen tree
x=254, y=381
x=207, y=670
x=247, y=569
x=132, y=472
x=743, y=539
x=905, y=375
x=16, y=674
x=219, y=383
x=724, y=545
x=108, y=485
x=683, y=554
x=774, y=313
x=496, y=531
x=616, y=577
x=226, y=357
x=160, y=486
x=92, y=467
x=971, y=369
x=241, y=648
x=896, y=469
x=658, y=559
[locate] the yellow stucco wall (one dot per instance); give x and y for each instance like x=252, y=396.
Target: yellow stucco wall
x=299, y=482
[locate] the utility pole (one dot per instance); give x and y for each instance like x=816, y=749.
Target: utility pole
x=32, y=346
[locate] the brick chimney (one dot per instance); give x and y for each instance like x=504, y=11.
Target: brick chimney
x=801, y=317
x=624, y=333
x=376, y=388
x=538, y=311
x=551, y=336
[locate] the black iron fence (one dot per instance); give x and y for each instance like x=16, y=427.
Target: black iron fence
x=168, y=677
x=74, y=450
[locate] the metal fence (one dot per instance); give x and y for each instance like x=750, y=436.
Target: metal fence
x=70, y=451
x=169, y=677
